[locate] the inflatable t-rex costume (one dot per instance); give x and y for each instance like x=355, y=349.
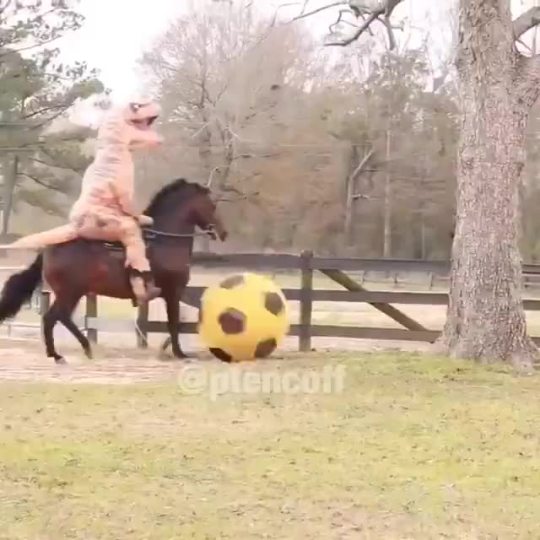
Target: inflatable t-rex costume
x=105, y=208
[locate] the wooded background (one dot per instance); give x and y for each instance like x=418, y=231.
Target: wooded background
x=331, y=149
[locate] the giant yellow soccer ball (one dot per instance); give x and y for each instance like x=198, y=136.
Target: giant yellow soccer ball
x=243, y=318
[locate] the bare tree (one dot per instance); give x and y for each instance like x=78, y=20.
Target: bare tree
x=308, y=138
x=219, y=71
x=235, y=92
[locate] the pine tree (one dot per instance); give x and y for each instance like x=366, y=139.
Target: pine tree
x=36, y=91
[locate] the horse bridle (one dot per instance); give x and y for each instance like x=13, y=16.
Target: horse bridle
x=210, y=232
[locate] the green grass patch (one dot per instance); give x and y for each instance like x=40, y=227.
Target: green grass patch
x=412, y=448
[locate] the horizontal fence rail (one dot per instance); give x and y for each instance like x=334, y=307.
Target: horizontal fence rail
x=306, y=265
x=291, y=262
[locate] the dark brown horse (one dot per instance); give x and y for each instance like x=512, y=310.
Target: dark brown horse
x=80, y=267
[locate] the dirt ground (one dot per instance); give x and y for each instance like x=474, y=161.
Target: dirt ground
x=118, y=361
x=23, y=358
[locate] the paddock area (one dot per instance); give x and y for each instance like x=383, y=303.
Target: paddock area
x=411, y=447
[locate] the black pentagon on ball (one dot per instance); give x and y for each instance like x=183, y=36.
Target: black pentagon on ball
x=265, y=348
x=273, y=303
x=232, y=321
x=220, y=354
x=232, y=282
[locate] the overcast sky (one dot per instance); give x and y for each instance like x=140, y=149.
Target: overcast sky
x=114, y=35
x=116, y=32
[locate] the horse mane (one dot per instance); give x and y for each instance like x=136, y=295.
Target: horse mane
x=174, y=188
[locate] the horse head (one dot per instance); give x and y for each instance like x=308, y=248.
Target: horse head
x=182, y=204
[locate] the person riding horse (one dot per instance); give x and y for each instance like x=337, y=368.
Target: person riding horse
x=105, y=207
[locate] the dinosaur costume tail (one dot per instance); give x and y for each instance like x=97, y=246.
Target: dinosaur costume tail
x=58, y=235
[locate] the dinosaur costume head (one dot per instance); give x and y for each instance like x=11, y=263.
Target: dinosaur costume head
x=141, y=115
x=130, y=125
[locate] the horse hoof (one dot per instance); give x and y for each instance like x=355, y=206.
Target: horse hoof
x=89, y=354
x=60, y=360
x=178, y=357
x=185, y=356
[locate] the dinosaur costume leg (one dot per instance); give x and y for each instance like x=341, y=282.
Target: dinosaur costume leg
x=123, y=229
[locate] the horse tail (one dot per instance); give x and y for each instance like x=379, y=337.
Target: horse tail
x=19, y=288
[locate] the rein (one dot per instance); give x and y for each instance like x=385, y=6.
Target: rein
x=153, y=233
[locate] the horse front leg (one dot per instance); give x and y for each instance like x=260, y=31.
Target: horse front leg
x=172, y=303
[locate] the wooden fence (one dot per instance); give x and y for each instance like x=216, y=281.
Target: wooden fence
x=306, y=265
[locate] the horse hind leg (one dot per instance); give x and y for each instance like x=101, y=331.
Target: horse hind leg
x=61, y=310
x=50, y=318
x=67, y=321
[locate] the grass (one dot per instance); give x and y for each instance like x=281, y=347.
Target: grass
x=413, y=448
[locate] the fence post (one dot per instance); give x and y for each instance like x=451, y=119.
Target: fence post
x=306, y=301
x=91, y=311
x=35, y=302
x=141, y=329
x=45, y=302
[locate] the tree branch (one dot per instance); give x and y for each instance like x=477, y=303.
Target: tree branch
x=526, y=21
x=529, y=67
x=41, y=183
x=361, y=165
x=303, y=15
x=3, y=7
x=56, y=162
x=340, y=19
x=391, y=38
x=41, y=162
x=39, y=112
x=384, y=10
x=357, y=34
x=529, y=79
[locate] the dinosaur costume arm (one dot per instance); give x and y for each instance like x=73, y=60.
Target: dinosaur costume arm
x=124, y=194
x=125, y=200
x=143, y=139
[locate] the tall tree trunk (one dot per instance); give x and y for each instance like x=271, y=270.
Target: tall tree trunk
x=10, y=172
x=423, y=239
x=387, y=227
x=349, y=193
x=486, y=320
